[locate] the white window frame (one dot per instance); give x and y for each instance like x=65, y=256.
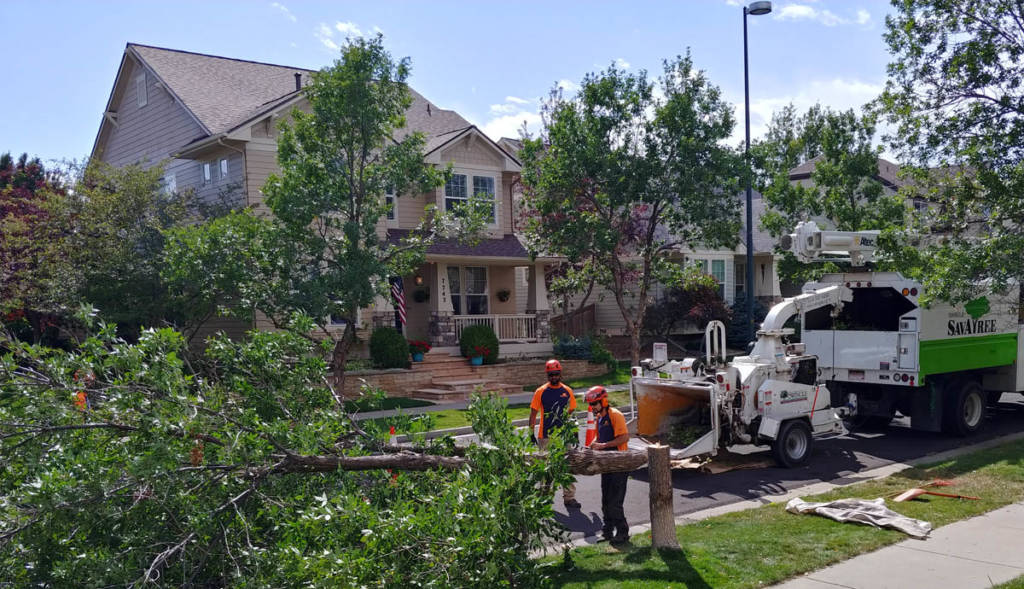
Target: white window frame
x=471, y=174
x=141, y=90
x=170, y=183
x=206, y=172
x=721, y=283
x=391, y=217
x=740, y=281
x=223, y=167
x=462, y=294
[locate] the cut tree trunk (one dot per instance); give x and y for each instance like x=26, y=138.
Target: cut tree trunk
x=663, y=524
x=581, y=462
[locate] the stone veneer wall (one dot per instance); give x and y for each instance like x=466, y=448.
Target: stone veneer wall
x=401, y=383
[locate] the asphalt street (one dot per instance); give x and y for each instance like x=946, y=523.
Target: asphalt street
x=835, y=460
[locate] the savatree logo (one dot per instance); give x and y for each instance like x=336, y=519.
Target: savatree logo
x=977, y=307
x=973, y=326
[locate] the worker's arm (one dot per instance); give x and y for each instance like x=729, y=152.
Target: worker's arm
x=533, y=418
x=613, y=443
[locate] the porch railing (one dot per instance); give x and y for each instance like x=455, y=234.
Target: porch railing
x=508, y=328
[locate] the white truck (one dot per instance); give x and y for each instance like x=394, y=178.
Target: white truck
x=867, y=351
x=884, y=353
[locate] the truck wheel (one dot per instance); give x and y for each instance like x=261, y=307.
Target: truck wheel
x=793, y=444
x=965, y=408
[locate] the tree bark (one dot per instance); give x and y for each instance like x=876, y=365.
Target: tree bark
x=663, y=524
x=581, y=462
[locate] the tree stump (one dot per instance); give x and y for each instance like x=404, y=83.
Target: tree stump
x=663, y=521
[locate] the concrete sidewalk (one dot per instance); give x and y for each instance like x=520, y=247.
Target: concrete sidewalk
x=975, y=553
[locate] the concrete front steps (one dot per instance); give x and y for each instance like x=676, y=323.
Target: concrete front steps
x=454, y=379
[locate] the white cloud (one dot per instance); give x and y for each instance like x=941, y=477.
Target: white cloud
x=836, y=93
x=287, y=13
x=516, y=100
x=568, y=85
x=377, y=30
x=349, y=29
x=509, y=125
x=622, y=63
x=826, y=17
x=325, y=35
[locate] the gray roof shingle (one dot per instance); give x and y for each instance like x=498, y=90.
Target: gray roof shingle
x=506, y=247
x=223, y=92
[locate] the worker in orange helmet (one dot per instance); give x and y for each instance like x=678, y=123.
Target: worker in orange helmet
x=555, y=402
x=611, y=435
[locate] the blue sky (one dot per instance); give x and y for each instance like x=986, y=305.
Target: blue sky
x=490, y=61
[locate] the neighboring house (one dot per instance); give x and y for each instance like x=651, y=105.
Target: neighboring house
x=213, y=119
x=727, y=266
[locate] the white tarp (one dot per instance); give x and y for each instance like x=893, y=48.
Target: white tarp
x=863, y=511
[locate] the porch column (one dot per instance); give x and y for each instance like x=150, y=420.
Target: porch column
x=383, y=312
x=442, y=322
x=537, y=300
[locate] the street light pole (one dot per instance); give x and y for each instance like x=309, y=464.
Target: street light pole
x=756, y=9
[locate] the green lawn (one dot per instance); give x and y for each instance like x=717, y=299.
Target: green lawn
x=580, y=385
x=768, y=545
x=1017, y=583
x=387, y=403
x=451, y=418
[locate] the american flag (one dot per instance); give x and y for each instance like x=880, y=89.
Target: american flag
x=398, y=293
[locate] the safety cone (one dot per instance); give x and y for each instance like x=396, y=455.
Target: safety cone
x=591, y=429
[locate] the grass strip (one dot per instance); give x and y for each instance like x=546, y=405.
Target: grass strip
x=580, y=385
x=767, y=545
x=368, y=404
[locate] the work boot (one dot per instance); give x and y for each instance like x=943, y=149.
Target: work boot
x=621, y=533
x=606, y=534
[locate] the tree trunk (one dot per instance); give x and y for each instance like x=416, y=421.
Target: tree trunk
x=634, y=345
x=581, y=462
x=340, y=355
x=663, y=524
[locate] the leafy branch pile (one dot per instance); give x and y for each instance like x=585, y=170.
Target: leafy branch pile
x=244, y=468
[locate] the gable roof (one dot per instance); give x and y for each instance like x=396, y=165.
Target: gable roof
x=888, y=172
x=221, y=92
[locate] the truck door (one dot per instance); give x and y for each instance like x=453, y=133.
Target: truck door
x=907, y=344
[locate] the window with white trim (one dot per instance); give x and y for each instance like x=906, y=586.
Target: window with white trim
x=170, y=184
x=141, y=90
x=468, y=287
x=456, y=190
x=223, y=168
x=392, y=204
x=207, y=171
x=718, y=273
x=741, y=280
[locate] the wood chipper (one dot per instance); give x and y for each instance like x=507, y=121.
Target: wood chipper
x=770, y=396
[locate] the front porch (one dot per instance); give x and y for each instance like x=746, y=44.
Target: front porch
x=448, y=294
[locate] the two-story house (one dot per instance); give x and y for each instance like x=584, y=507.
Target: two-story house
x=212, y=121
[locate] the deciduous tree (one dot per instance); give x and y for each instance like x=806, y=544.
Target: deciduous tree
x=628, y=170
x=956, y=99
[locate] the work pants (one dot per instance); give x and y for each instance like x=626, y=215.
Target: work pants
x=613, y=494
x=569, y=491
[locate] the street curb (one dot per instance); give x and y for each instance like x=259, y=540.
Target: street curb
x=812, y=489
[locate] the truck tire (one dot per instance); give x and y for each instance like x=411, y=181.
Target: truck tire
x=964, y=408
x=792, y=447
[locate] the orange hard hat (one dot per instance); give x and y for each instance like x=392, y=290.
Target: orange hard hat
x=553, y=366
x=597, y=394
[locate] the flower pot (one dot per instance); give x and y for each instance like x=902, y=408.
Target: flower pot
x=476, y=360
x=417, y=357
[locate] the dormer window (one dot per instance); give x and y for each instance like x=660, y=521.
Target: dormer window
x=141, y=90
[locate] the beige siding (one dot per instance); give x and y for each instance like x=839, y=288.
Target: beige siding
x=260, y=162
x=150, y=133
x=521, y=289
x=502, y=278
x=472, y=155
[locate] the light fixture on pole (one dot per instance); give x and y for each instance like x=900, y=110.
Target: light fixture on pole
x=756, y=9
